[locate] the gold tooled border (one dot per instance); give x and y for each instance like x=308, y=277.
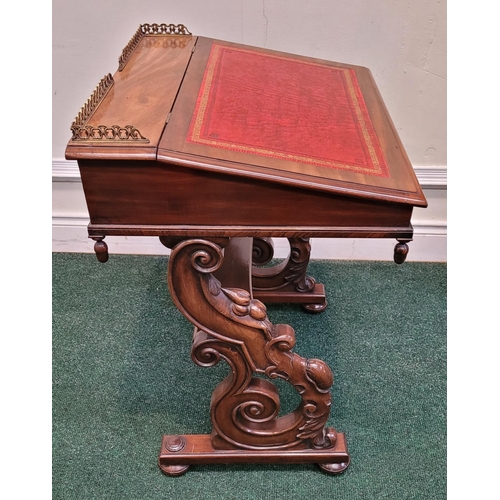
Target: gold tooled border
x=195, y=129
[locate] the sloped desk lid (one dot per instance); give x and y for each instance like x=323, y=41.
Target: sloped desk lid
x=245, y=111
x=292, y=119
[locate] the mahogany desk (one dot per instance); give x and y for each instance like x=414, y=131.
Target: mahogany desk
x=215, y=148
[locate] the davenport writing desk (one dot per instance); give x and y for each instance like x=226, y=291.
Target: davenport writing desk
x=215, y=148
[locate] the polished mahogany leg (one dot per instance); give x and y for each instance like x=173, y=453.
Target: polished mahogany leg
x=233, y=326
x=288, y=281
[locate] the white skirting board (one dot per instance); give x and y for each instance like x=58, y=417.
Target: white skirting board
x=70, y=219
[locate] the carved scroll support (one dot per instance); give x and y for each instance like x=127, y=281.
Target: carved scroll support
x=288, y=281
x=232, y=326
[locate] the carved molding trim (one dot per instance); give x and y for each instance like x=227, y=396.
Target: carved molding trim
x=149, y=30
x=83, y=132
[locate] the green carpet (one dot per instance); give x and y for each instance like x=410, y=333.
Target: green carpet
x=123, y=377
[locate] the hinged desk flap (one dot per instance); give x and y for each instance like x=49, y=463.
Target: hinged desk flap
x=260, y=113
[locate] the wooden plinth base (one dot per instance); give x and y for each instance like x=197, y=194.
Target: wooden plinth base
x=179, y=452
x=313, y=301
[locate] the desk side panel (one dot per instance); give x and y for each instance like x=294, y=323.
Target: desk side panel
x=140, y=197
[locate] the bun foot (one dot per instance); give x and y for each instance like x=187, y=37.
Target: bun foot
x=314, y=308
x=334, y=468
x=401, y=251
x=174, y=470
x=101, y=249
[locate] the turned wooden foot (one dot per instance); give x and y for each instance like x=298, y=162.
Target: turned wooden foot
x=101, y=249
x=287, y=282
x=401, y=250
x=231, y=325
x=173, y=444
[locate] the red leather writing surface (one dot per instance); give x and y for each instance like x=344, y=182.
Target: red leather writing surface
x=283, y=108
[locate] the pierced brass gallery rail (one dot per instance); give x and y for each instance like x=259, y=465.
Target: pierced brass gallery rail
x=83, y=132
x=149, y=30
x=93, y=101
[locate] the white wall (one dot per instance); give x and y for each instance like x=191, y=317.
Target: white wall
x=403, y=43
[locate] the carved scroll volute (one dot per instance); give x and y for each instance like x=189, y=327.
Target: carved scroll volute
x=190, y=281
x=262, y=251
x=233, y=326
x=291, y=273
x=241, y=405
x=300, y=252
